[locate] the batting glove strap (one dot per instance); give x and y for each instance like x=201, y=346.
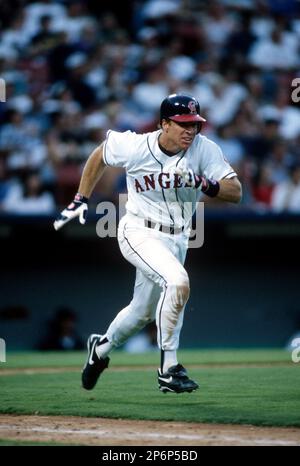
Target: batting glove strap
x=80, y=198
x=209, y=187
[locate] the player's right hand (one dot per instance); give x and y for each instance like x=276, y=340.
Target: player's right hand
x=77, y=208
x=189, y=177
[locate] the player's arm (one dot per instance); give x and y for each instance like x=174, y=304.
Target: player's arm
x=230, y=190
x=91, y=174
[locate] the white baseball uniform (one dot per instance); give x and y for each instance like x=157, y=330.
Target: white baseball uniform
x=154, y=233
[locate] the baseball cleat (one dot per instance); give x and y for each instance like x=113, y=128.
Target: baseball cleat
x=93, y=366
x=176, y=380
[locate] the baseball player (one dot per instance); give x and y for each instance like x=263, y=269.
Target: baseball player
x=167, y=171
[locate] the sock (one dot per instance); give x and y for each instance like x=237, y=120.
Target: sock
x=104, y=348
x=168, y=359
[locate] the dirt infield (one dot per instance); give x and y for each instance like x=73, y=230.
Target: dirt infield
x=63, y=369
x=98, y=431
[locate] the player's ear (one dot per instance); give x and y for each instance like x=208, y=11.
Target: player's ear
x=165, y=124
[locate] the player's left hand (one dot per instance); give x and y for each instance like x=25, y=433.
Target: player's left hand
x=77, y=208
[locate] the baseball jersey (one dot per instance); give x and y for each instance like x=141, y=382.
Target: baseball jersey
x=155, y=191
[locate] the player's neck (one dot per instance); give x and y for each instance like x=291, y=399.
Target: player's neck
x=167, y=146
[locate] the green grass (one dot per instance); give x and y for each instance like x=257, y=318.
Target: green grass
x=267, y=395
x=28, y=443
x=76, y=358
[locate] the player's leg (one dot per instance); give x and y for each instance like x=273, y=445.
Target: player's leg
x=133, y=317
x=166, y=342
x=150, y=253
x=155, y=254
x=172, y=376
x=150, y=287
x=128, y=321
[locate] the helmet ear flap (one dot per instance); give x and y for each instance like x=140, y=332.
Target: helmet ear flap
x=199, y=127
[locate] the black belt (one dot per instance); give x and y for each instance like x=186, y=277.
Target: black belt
x=163, y=228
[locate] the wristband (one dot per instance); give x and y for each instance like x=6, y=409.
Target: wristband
x=210, y=187
x=80, y=198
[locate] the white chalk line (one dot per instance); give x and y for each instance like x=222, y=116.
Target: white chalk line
x=151, y=435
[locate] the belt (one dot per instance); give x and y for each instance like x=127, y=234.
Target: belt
x=163, y=228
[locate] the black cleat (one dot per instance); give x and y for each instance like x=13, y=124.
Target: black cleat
x=93, y=366
x=176, y=380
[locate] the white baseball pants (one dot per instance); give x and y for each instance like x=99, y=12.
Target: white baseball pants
x=161, y=287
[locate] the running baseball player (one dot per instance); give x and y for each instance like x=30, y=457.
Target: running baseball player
x=167, y=171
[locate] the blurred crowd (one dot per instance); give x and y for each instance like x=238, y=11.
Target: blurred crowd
x=74, y=69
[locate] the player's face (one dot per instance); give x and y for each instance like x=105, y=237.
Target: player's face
x=180, y=135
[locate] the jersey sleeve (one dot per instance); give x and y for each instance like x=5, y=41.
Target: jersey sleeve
x=118, y=148
x=214, y=164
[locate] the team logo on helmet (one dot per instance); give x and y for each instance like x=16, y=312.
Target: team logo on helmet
x=192, y=107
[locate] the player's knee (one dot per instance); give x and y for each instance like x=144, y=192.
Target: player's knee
x=184, y=291
x=180, y=291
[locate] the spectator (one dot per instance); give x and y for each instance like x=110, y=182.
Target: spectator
x=239, y=42
x=62, y=333
x=286, y=195
x=29, y=198
x=149, y=93
x=7, y=183
x=45, y=39
x=279, y=161
x=35, y=11
x=218, y=25
x=75, y=20
x=263, y=186
x=15, y=38
x=228, y=96
x=260, y=145
x=22, y=139
x=82, y=92
x=276, y=52
x=288, y=114
x=230, y=145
